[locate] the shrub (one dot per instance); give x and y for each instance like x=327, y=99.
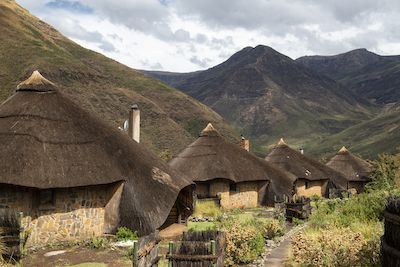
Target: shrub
x=334, y=247
x=124, y=234
x=96, y=242
x=272, y=229
x=244, y=242
x=206, y=208
x=296, y=221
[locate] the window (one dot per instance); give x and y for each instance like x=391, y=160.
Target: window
x=46, y=199
x=307, y=184
x=233, y=187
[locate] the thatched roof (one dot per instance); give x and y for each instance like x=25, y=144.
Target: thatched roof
x=303, y=166
x=213, y=157
x=48, y=141
x=352, y=167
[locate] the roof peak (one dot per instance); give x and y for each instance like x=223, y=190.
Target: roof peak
x=37, y=83
x=209, y=131
x=343, y=149
x=281, y=142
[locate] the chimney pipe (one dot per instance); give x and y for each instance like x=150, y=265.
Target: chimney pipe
x=134, y=123
x=301, y=150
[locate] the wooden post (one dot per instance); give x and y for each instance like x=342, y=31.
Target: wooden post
x=21, y=233
x=274, y=202
x=213, y=248
x=135, y=254
x=184, y=234
x=170, y=253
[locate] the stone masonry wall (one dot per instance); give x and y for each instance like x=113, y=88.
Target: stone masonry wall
x=78, y=212
x=245, y=196
x=314, y=188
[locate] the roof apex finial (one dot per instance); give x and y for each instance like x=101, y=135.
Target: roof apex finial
x=37, y=83
x=281, y=142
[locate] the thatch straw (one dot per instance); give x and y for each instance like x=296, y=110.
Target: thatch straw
x=302, y=166
x=352, y=167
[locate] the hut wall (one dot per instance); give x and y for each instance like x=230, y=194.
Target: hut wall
x=78, y=212
x=357, y=185
x=315, y=188
x=246, y=194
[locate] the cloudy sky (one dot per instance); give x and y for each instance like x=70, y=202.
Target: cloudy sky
x=189, y=35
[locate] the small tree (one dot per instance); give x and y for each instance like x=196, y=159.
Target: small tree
x=385, y=173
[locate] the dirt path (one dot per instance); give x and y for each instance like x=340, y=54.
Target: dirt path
x=278, y=255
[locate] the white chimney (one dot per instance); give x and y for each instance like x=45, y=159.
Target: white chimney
x=301, y=150
x=134, y=123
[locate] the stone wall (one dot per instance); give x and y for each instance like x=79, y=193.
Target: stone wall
x=357, y=185
x=315, y=188
x=77, y=213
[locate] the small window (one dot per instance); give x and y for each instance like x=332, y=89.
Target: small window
x=307, y=184
x=233, y=187
x=46, y=199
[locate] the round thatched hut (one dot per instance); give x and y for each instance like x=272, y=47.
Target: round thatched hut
x=313, y=177
x=74, y=175
x=353, y=168
x=229, y=173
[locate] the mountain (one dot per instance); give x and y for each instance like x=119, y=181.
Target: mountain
x=170, y=78
x=170, y=120
x=375, y=77
x=266, y=95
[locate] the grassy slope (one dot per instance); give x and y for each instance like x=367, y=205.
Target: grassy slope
x=170, y=120
x=376, y=136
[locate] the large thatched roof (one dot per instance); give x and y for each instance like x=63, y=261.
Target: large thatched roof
x=352, y=167
x=48, y=141
x=213, y=157
x=303, y=166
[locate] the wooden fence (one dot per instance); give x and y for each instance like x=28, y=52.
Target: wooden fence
x=198, y=249
x=298, y=208
x=294, y=208
x=390, y=241
x=11, y=233
x=145, y=251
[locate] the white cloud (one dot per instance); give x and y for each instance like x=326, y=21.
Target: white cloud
x=181, y=35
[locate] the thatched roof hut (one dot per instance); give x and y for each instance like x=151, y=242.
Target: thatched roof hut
x=213, y=157
x=303, y=166
x=48, y=141
x=352, y=167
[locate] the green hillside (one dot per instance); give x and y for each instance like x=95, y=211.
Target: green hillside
x=368, y=139
x=170, y=120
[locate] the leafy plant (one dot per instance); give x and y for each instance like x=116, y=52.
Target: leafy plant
x=271, y=229
x=244, y=242
x=296, y=221
x=124, y=234
x=96, y=242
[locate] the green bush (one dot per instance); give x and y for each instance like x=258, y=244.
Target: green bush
x=296, y=221
x=206, y=208
x=96, y=242
x=244, y=241
x=271, y=229
x=124, y=234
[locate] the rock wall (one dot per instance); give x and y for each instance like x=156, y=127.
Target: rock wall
x=314, y=188
x=77, y=213
x=245, y=195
